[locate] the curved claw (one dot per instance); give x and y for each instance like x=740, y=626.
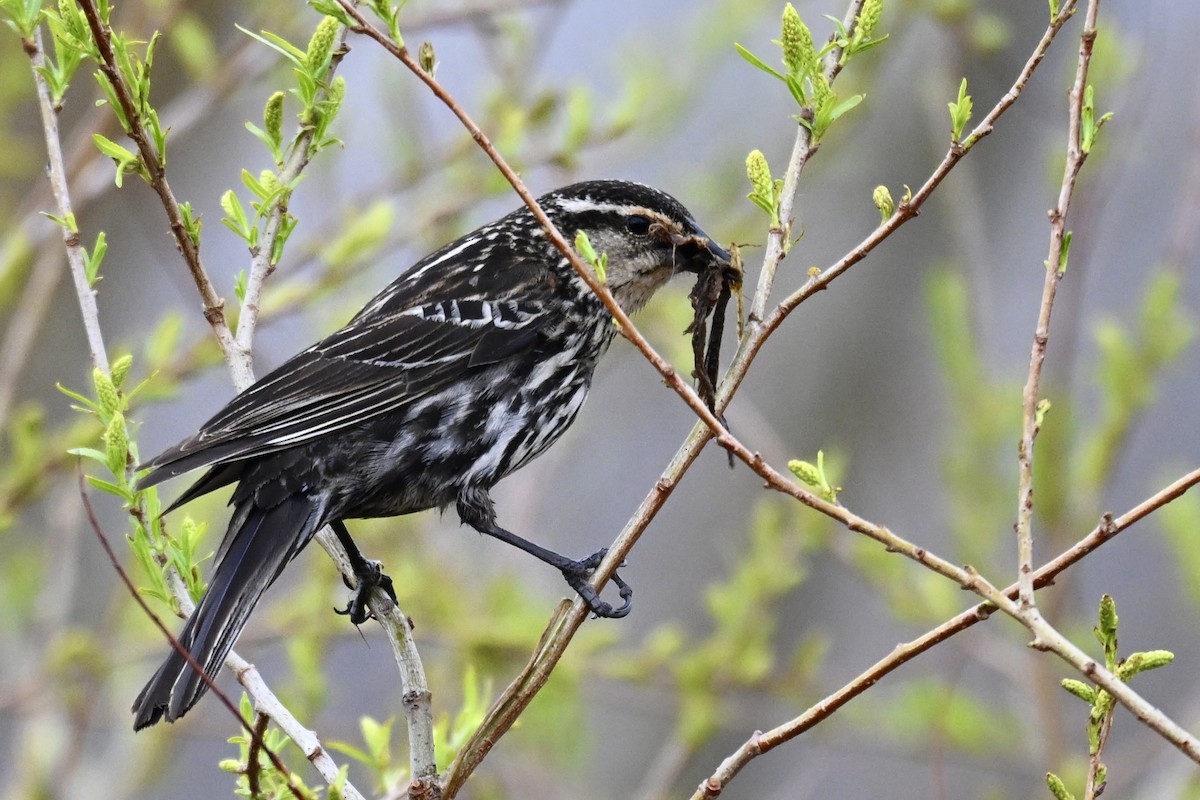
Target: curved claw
x=358, y=609
x=576, y=576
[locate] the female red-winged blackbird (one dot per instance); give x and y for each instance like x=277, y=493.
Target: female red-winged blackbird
x=461, y=371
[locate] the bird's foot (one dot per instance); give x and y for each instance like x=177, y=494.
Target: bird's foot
x=368, y=578
x=577, y=574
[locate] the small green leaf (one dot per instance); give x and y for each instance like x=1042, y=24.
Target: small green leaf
x=88, y=452
x=1089, y=126
x=235, y=216
x=239, y=286
x=960, y=112
x=756, y=61
x=279, y=45
x=93, y=260
x=599, y=262
x=883, y=201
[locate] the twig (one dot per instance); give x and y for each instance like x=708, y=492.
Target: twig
x=559, y=631
x=1054, y=267
x=802, y=149
x=761, y=743
x=415, y=694
x=261, y=263
x=253, y=771
x=1092, y=788
x=58, y=183
x=240, y=366
x=179, y=648
x=237, y=359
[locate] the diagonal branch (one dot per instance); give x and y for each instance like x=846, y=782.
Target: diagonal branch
x=153, y=162
x=239, y=361
x=761, y=742
x=254, y=732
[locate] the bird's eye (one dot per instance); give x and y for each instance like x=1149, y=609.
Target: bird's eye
x=637, y=224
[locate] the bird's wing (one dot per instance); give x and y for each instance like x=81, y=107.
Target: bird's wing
x=377, y=364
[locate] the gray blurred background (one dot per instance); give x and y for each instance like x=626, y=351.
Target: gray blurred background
x=853, y=372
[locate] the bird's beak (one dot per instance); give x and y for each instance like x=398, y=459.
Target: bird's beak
x=698, y=251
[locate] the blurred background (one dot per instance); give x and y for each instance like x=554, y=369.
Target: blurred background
x=749, y=608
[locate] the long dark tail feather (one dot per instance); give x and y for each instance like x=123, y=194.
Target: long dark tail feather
x=259, y=544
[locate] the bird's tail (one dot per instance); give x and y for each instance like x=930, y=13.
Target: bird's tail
x=258, y=545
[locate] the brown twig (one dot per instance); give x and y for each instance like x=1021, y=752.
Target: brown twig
x=240, y=365
x=565, y=622
x=179, y=648
x=1055, y=266
x=152, y=161
x=253, y=769
x=761, y=742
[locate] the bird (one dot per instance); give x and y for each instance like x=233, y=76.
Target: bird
x=461, y=371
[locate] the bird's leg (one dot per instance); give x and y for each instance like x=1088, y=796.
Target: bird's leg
x=481, y=517
x=367, y=575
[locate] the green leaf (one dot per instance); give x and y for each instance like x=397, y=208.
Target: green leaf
x=279, y=45
x=93, y=260
x=88, y=452
x=235, y=216
x=239, y=286
x=109, y=488
x=1089, y=125
x=756, y=61
x=599, y=262
x=960, y=112
x=126, y=161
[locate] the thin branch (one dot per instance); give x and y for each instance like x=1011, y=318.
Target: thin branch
x=802, y=149
x=761, y=743
x=415, y=694
x=262, y=255
x=559, y=631
x=62, y=197
x=240, y=366
x=237, y=360
x=1054, y=266
x=183, y=652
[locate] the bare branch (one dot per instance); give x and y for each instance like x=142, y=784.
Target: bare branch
x=1055, y=267
x=62, y=197
x=761, y=742
x=216, y=690
x=237, y=360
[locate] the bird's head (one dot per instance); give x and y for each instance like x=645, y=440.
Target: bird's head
x=647, y=235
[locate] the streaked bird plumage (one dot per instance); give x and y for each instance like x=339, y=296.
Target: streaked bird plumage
x=458, y=373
